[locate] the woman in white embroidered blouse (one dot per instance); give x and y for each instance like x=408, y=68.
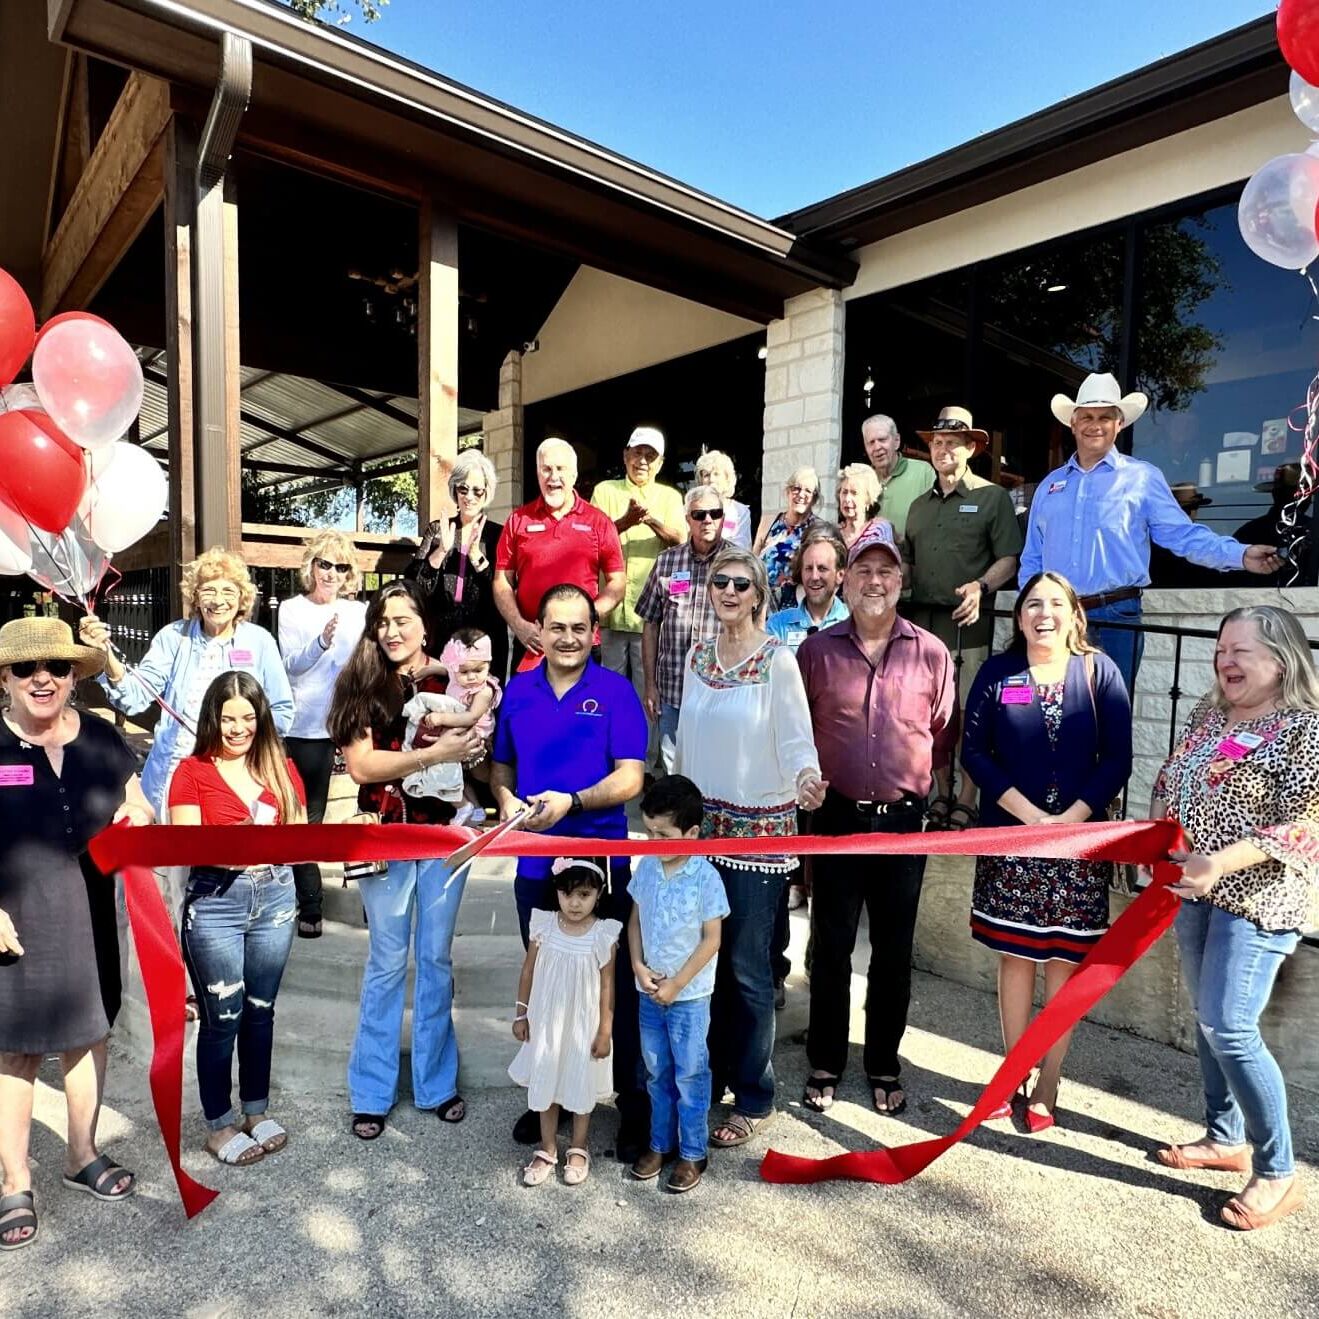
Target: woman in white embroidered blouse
x=1243, y=782
x=744, y=735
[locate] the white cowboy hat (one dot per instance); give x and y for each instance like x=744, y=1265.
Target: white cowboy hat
x=1100, y=391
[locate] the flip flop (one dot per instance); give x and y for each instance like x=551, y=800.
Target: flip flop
x=98, y=1174
x=820, y=1103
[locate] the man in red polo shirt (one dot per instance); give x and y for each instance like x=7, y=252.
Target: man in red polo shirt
x=557, y=538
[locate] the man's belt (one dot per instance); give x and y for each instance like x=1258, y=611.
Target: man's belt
x=1110, y=597
x=907, y=804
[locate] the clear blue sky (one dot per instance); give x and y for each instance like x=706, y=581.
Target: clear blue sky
x=776, y=105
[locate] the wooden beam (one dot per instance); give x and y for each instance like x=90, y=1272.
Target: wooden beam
x=233, y=377
x=180, y=205
x=122, y=185
x=268, y=546
x=437, y=363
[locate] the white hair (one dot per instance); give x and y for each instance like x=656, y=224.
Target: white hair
x=714, y=467
x=555, y=442
x=700, y=492
x=886, y=423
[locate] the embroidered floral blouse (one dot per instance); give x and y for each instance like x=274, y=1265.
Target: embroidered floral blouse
x=1269, y=796
x=744, y=734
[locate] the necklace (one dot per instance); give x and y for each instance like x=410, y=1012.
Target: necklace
x=569, y=932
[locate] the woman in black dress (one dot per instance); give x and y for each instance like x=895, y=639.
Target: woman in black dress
x=455, y=564
x=64, y=776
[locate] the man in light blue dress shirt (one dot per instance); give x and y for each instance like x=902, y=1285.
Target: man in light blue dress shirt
x=1093, y=518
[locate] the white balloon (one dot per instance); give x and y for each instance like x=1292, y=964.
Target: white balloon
x=15, y=398
x=127, y=494
x=68, y=563
x=15, y=542
x=1277, y=211
x=89, y=381
x=1305, y=101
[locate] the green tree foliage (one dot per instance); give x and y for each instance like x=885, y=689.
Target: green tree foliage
x=335, y=12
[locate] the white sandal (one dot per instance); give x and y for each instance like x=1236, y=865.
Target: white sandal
x=269, y=1135
x=237, y=1149
x=540, y=1169
x=576, y=1176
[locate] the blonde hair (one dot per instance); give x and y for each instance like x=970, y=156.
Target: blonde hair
x=734, y=556
x=215, y=564
x=714, y=467
x=336, y=547
x=799, y=476
x=862, y=475
x=1281, y=634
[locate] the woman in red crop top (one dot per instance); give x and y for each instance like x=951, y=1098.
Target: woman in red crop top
x=237, y=923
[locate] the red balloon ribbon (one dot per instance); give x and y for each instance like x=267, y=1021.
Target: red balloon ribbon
x=1140, y=842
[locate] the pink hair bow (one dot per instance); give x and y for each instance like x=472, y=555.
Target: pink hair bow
x=455, y=653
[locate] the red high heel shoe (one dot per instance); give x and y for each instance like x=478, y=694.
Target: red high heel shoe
x=1006, y=1108
x=1038, y=1122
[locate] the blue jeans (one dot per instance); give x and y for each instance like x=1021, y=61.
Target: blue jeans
x=673, y=1045
x=742, y=1009
x=1230, y=965
x=668, y=738
x=1122, y=647
x=237, y=929
x=407, y=889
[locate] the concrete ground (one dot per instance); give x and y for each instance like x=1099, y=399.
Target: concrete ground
x=432, y=1219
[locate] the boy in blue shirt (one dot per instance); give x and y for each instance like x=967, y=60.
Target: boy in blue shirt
x=673, y=935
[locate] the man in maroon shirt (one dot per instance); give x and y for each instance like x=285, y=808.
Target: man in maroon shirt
x=557, y=538
x=883, y=704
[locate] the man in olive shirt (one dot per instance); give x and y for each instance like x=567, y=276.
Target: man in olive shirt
x=963, y=542
x=900, y=479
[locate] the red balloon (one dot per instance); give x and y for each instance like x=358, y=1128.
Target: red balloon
x=42, y=473
x=70, y=316
x=18, y=328
x=1298, y=36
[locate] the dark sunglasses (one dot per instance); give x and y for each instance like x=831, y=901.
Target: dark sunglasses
x=721, y=582
x=469, y=492
x=705, y=514
x=56, y=668
x=325, y=566
x=949, y=424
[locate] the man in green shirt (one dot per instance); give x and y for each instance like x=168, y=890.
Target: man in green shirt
x=900, y=478
x=963, y=542
x=649, y=518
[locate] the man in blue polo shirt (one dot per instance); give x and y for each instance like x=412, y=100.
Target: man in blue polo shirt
x=571, y=745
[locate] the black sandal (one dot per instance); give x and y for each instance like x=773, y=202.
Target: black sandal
x=26, y=1202
x=890, y=1085
x=363, y=1120
x=445, y=1110
x=820, y=1103
x=98, y=1174
x=972, y=818
x=309, y=927
x=936, y=814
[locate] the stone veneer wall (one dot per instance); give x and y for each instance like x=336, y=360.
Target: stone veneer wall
x=804, y=396
x=502, y=439
x=1151, y=999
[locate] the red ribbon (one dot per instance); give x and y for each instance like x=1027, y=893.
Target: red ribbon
x=132, y=850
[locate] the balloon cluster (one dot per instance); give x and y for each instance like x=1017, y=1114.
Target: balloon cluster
x=1279, y=219
x=72, y=493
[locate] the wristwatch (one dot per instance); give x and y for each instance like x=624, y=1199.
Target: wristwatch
x=984, y=586
x=576, y=803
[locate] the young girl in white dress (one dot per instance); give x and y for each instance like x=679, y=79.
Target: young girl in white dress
x=565, y=1017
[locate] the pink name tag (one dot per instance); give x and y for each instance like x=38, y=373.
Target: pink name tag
x=16, y=776
x=1017, y=696
x=1236, y=746
x=240, y=657
x=680, y=586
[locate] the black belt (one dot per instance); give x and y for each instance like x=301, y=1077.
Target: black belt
x=1110, y=597
x=907, y=804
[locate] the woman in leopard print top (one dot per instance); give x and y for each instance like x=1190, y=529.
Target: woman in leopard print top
x=1243, y=782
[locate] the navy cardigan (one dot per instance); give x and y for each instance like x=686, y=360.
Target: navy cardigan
x=1006, y=746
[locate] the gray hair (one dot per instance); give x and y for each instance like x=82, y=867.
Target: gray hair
x=713, y=465
x=862, y=475
x=469, y=463
x=700, y=492
x=555, y=442
x=734, y=556
x=886, y=423
x=1281, y=634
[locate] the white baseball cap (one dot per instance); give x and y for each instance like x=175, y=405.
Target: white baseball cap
x=647, y=435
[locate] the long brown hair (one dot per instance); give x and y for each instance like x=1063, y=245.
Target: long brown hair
x=267, y=760
x=1077, y=643
x=368, y=691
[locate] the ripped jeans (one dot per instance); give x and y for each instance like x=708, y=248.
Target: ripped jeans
x=237, y=932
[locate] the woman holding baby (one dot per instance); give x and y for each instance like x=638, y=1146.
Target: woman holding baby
x=366, y=721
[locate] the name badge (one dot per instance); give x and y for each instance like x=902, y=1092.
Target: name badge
x=680, y=584
x=581, y=526
x=1017, y=696
x=1237, y=746
x=968, y=508
x=240, y=657
x=16, y=776
x=535, y=526
x=1055, y=486
x=263, y=813
x=796, y=636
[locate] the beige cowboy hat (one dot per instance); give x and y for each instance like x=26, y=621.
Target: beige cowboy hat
x=1100, y=391
x=1188, y=495
x=47, y=639
x=957, y=419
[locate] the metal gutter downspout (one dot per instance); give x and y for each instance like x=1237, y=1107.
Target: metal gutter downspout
x=233, y=91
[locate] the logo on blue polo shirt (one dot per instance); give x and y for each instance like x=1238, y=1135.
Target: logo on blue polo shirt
x=591, y=707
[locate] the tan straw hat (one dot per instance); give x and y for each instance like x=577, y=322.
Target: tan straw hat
x=958, y=421
x=47, y=639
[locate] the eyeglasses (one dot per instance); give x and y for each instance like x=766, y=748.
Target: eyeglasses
x=800, y=490
x=721, y=582
x=326, y=566
x=217, y=593
x=469, y=491
x=706, y=514
x=56, y=668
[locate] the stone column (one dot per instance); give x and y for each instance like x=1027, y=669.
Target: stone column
x=501, y=439
x=804, y=396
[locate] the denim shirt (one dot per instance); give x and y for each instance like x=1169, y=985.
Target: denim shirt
x=672, y=909
x=168, y=668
